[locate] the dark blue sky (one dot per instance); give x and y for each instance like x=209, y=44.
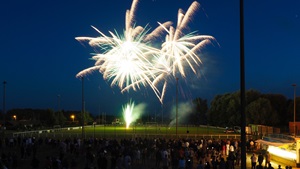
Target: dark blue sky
x=40, y=56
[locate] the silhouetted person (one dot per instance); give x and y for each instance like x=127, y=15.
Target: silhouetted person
x=260, y=159
x=253, y=161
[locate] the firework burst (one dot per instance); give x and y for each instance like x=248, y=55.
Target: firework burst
x=129, y=61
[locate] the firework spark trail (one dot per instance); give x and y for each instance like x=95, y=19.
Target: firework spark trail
x=129, y=61
x=180, y=48
x=132, y=112
x=128, y=110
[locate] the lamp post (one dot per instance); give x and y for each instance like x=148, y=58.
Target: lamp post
x=294, y=85
x=94, y=125
x=72, y=117
x=242, y=86
x=83, y=109
x=162, y=114
x=4, y=103
x=58, y=109
x=176, y=106
x=58, y=102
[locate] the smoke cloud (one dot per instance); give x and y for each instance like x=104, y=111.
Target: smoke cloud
x=184, y=110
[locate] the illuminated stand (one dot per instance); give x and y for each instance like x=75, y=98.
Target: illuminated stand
x=297, y=152
x=282, y=149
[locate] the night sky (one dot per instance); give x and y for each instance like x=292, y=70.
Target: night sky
x=40, y=56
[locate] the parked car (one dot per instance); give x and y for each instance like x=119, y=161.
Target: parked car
x=234, y=129
x=237, y=129
x=229, y=130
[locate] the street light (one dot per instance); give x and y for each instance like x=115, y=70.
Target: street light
x=176, y=106
x=242, y=86
x=58, y=102
x=294, y=85
x=94, y=125
x=82, y=106
x=4, y=103
x=15, y=117
x=72, y=117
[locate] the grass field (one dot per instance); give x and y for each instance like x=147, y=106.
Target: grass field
x=112, y=131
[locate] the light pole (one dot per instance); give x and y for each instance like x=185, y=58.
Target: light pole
x=73, y=117
x=242, y=86
x=162, y=114
x=82, y=106
x=294, y=85
x=94, y=124
x=58, y=102
x=115, y=131
x=104, y=122
x=58, y=109
x=4, y=103
x=176, y=106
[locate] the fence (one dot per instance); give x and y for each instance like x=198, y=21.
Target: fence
x=144, y=131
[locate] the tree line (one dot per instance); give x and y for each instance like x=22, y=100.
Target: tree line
x=44, y=118
x=264, y=109
x=224, y=110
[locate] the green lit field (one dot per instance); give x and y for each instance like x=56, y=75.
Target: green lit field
x=114, y=131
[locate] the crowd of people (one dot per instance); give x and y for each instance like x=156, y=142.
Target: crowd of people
x=259, y=159
x=103, y=153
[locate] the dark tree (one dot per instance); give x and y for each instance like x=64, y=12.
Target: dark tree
x=199, y=114
x=260, y=112
x=279, y=105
